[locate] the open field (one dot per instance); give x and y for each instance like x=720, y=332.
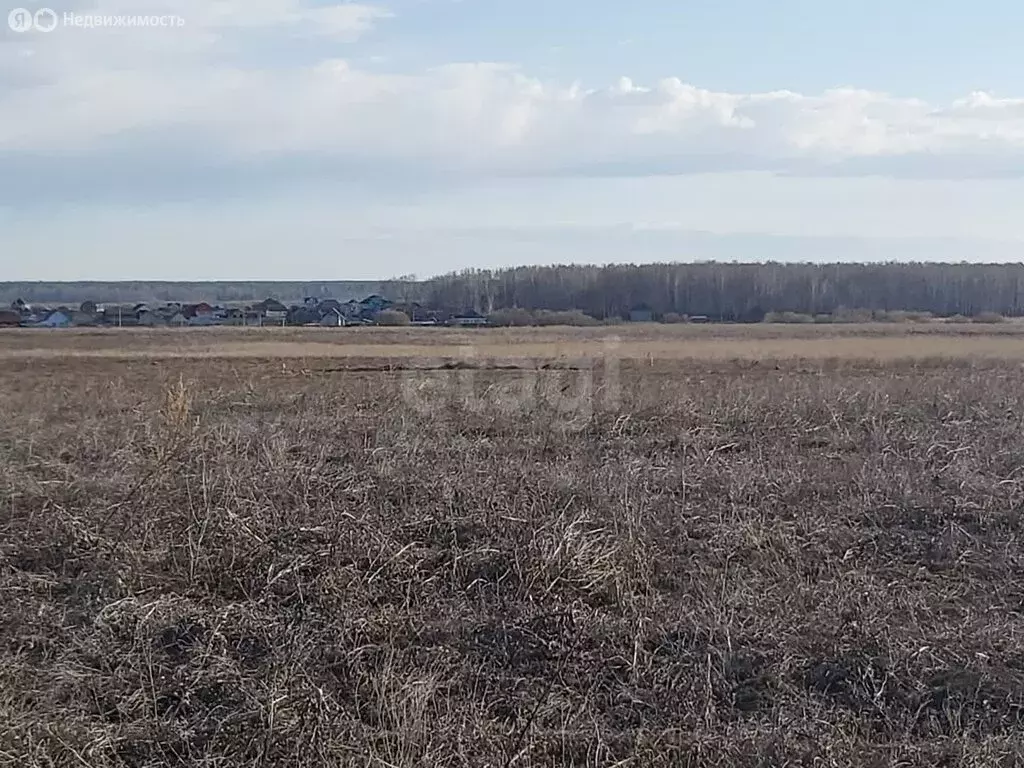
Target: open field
x=635, y=342
x=697, y=546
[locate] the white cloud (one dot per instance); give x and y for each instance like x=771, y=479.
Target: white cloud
x=216, y=89
x=346, y=22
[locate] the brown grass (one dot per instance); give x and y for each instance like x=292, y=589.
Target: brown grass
x=878, y=342
x=237, y=562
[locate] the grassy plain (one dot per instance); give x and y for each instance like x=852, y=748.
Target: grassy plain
x=705, y=546
x=637, y=342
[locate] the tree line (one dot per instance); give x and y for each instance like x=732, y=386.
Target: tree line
x=734, y=292
x=720, y=291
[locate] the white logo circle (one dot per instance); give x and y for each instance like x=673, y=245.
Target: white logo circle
x=20, y=20
x=45, y=20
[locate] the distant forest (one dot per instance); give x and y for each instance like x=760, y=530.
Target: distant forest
x=135, y=291
x=737, y=292
x=721, y=291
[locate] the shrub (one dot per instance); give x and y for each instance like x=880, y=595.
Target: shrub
x=896, y=316
x=988, y=317
x=845, y=315
x=919, y=317
x=901, y=316
x=511, y=318
x=392, y=317
x=887, y=316
x=673, y=318
x=787, y=317
x=572, y=317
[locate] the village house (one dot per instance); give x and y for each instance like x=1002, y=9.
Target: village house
x=35, y=314
x=149, y=318
x=232, y=316
x=303, y=316
x=81, y=319
x=120, y=316
x=56, y=319
x=327, y=312
x=329, y=305
x=332, y=318
x=267, y=312
x=372, y=306
x=468, y=319
x=269, y=305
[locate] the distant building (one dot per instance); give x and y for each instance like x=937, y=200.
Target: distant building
x=332, y=318
x=269, y=305
x=55, y=320
x=151, y=319
x=118, y=315
x=303, y=316
x=468, y=319
x=83, y=319
x=373, y=305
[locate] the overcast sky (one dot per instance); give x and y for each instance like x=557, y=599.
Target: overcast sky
x=283, y=139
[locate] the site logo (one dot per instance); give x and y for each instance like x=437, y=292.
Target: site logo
x=23, y=20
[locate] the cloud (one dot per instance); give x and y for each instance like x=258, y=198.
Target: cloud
x=240, y=97
x=346, y=22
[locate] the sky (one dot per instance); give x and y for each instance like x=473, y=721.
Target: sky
x=286, y=139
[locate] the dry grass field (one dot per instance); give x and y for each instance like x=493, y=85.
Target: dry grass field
x=695, y=546
x=638, y=342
